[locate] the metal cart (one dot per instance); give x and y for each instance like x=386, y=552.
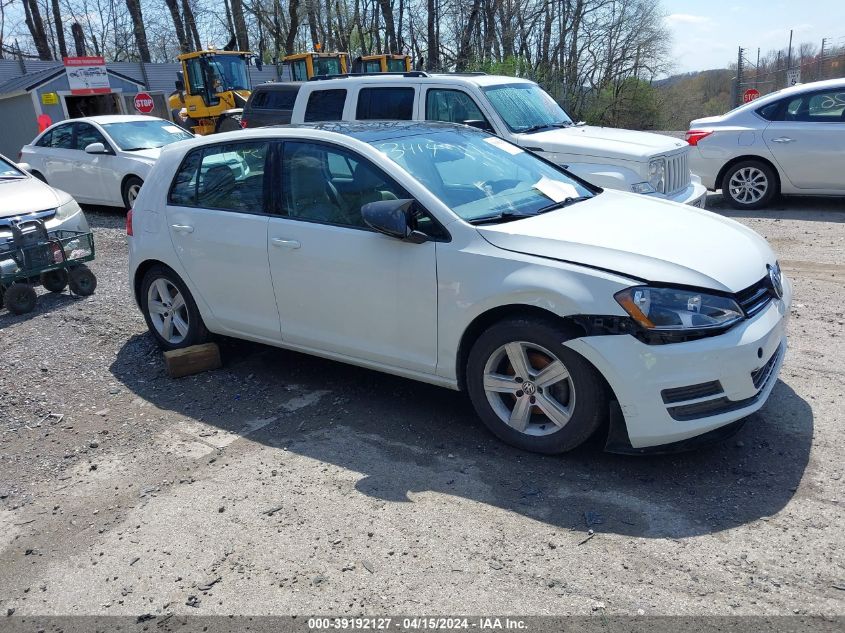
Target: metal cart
x=54, y=259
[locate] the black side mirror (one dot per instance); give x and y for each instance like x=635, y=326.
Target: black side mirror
x=180, y=81
x=393, y=218
x=481, y=124
x=259, y=63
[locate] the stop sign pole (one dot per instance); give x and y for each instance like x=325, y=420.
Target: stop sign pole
x=144, y=103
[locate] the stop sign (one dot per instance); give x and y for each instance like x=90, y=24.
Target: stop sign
x=749, y=95
x=144, y=103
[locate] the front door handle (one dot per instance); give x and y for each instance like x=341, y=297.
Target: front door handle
x=283, y=243
x=182, y=228
x=783, y=139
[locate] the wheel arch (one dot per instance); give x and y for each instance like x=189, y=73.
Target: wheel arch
x=142, y=270
x=126, y=178
x=500, y=313
x=750, y=157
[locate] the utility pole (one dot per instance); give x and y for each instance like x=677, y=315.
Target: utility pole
x=820, y=70
x=757, y=69
x=738, y=95
x=789, y=53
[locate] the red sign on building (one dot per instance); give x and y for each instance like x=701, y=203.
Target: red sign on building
x=87, y=75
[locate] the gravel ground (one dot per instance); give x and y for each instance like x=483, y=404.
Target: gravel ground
x=289, y=484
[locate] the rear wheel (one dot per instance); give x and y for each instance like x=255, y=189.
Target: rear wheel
x=55, y=280
x=170, y=310
x=750, y=184
x=20, y=298
x=131, y=189
x=530, y=390
x=229, y=123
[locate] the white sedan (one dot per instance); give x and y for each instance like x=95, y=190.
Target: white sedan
x=102, y=159
x=445, y=255
x=790, y=142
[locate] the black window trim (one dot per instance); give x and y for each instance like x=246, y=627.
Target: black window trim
x=266, y=191
x=279, y=197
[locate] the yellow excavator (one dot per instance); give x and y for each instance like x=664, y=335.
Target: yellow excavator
x=304, y=66
x=382, y=64
x=211, y=91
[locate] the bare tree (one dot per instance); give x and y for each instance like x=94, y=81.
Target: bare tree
x=36, y=29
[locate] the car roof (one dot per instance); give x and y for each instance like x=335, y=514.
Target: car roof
x=119, y=118
x=791, y=90
x=477, y=79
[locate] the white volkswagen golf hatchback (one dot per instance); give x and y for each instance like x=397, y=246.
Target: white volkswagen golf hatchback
x=446, y=255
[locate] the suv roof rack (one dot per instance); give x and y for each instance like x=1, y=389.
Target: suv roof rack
x=476, y=73
x=410, y=73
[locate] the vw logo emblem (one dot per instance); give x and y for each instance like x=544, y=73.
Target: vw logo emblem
x=529, y=388
x=775, y=279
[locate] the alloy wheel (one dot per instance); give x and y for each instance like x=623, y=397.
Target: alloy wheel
x=748, y=185
x=529, y=388
x=132, y=194
x=168, y=311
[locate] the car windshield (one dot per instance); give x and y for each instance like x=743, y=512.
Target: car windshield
x=227, y=72
x=326, y=66
x=526, y=107
x=137, y=135
x=482, y=178
x=8, y=171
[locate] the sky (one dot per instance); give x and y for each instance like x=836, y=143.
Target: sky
x=706, y=33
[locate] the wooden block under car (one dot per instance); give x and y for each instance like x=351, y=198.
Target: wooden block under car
x=192, y=360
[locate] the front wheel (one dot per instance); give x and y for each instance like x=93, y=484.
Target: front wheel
x=531, y=391
x=131, y=189
x=170, y=310
x=749, y=184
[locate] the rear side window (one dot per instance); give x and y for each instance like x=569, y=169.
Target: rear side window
x=60, y=137
x=325, y=105
x=385, y=103
x=770, y=111
x=275, y=99
x=229, y=177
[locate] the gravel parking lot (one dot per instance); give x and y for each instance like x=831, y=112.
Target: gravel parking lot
x=284, y=483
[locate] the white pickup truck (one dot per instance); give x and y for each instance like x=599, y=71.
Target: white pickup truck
x=514, y=109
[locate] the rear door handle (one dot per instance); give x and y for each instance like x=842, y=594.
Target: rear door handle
x=182, y=228
x=783, y=139
x=283, y=243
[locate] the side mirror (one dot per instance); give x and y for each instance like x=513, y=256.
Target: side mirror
x=96, y=148
x=481, y=124
x=393, y=218
x=259, y=63
x=180, y=81
x=25, y=167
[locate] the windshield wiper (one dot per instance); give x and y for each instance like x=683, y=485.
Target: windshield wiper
x=12, y=177
x=504, y=216
x=535, y=128
x=563, y=203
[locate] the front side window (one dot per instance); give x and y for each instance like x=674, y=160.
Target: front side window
x=451, y=106
x=132, y=136
x=325, y=105
x=299, y=70
x=526, y=107
x=229, y=177
x=385, y=104
x=329, y=185
x=87, y=134
x=819, y=107
x=480, y=176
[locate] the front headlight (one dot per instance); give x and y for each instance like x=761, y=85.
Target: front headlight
x=642, y=187
x=68, y=209
x=671, y=309
x=657, y=174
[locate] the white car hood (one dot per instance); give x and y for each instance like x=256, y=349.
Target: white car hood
x=28, y=195
x=147, y=154
x=644, y=238
x=601, y=142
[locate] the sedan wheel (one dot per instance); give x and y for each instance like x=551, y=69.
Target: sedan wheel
x=170, y=311
x=749, y=185
x=531, y=390
x=131, y=189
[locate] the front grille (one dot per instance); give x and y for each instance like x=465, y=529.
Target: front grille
x=691, y=392
x=677, y=172
x=5, y=223
x=756, y=297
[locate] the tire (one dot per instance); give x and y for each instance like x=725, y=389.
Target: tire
x=55, y=280
x=131, y=187
x=159, y=300
x=82, y=281
x=20, y=298
x=750, y=184
x=577, y=399
x=229, y=124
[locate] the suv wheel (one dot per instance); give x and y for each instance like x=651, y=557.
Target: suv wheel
x=749, y=184
x=170, y=311
x=531, y=391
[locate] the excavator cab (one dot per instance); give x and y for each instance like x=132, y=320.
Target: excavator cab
x=211, y=90
x=304, y=66
x=382, y=64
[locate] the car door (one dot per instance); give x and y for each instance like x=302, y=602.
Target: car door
x=807, y=140
x=217, y=218
x=341, y=287
x=94, y=172
x=58, y=156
